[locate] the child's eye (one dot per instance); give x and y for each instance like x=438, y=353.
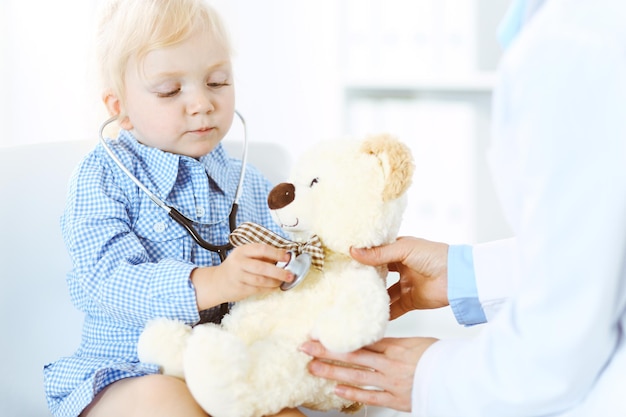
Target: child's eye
x=314, y=181
x=217, y=85
x=171, y=93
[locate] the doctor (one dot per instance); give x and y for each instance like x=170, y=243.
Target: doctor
x=554, y=297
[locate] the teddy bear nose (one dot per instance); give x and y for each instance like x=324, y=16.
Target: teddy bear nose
x=281, y=195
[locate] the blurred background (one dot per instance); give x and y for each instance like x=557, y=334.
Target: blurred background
x=306, y=70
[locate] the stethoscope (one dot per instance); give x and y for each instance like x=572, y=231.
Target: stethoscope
x=180, y=218
x=295, y=265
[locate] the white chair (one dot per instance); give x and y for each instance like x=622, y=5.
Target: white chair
x=37, y=320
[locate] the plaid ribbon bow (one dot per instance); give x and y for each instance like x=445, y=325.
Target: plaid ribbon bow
x=253, y=233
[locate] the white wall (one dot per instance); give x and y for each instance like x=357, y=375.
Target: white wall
x=287, y=68
x=46, y=95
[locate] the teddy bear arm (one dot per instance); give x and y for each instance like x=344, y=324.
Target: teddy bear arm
x=162, y=343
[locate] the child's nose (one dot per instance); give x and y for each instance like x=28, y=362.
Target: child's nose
x=200, y=103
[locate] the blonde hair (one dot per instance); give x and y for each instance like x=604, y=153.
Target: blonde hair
x=132, y=28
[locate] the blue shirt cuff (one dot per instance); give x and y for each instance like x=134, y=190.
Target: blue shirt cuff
x=462, y=290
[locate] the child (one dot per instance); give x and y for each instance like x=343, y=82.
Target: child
x=167, y=76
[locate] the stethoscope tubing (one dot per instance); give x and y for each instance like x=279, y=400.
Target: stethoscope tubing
x=188, y=225
x=177, y=216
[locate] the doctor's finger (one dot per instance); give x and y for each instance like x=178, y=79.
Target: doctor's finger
x=351, y=375
x=398, y=356
x=367, y=385
x=397, y=303
x=374, y=397
x=396, y=309
x=364, y=358
x=379, y=255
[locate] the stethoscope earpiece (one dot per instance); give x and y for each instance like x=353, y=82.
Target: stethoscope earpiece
x=298, y=265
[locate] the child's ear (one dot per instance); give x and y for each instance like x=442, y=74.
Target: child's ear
x=114, y=106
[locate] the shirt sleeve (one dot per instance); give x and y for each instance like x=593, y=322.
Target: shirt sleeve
x=462, y=291
x=113, y=274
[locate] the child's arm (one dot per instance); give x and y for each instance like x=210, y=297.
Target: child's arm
x=248, y=270
x=113, y=272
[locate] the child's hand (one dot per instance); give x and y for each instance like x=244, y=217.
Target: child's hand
x=249, y=269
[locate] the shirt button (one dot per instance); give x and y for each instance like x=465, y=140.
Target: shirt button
x=159, y=227
x=200, y=211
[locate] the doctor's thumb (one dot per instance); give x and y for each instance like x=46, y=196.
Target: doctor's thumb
x=369, y=256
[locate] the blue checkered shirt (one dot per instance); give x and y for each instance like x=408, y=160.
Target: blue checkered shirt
x=131, y=261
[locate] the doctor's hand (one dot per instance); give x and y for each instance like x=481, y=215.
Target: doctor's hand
x=249, y=269
x=386, y=368
x=423, y=269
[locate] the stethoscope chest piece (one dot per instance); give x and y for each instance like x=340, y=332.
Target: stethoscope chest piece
x=298, y=265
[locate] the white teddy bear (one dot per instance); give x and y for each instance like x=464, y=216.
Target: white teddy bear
x=346, y=193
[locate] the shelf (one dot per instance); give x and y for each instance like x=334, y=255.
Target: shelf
x=480, y=83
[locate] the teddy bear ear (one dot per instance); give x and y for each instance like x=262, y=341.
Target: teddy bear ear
x=396, y=160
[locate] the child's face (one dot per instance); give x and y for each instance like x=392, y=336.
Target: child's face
x=181, y=98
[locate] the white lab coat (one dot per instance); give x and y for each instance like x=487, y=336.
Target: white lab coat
x=555, y=296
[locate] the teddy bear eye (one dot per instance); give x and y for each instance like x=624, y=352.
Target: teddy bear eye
x=314, y=181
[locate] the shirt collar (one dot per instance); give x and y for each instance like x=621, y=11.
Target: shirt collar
x=162, y=167
x=219, y=168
